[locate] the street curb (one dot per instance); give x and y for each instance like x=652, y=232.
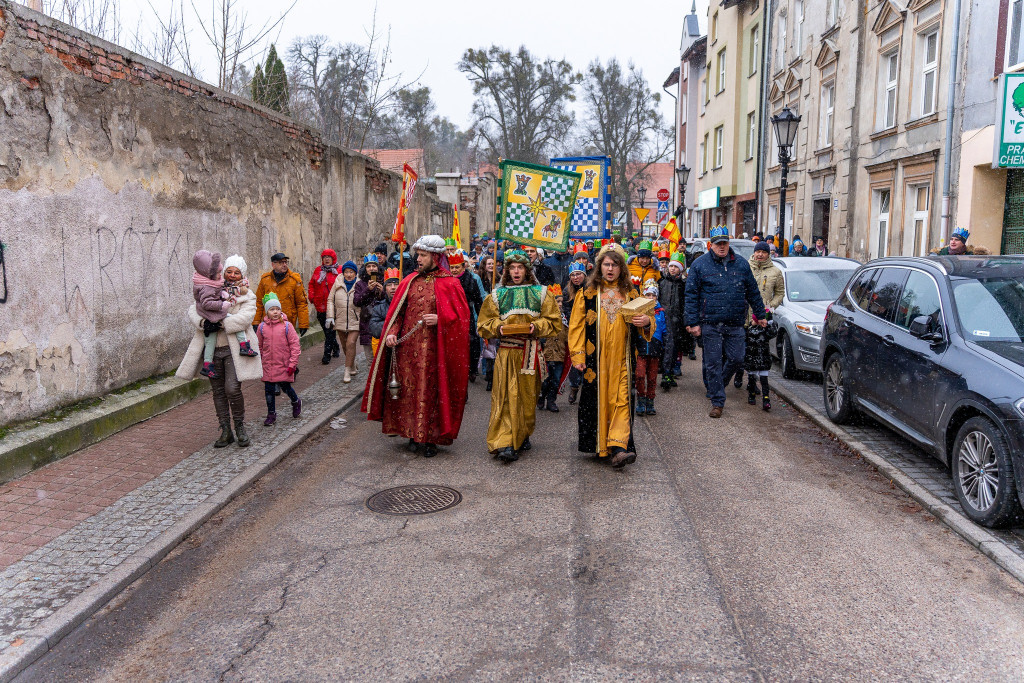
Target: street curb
x=45, y=636
x=25, y=451
x=977, y=536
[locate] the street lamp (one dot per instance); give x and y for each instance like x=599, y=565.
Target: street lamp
x=641, y=192
x=786, y=123
x=682, y=175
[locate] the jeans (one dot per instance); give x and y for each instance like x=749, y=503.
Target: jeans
x=268, y=391
x=549, y=389
x=330, y=339
x=227, y=390
x=724, y=347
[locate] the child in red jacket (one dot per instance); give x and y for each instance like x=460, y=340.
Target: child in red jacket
x=279, y=344
x=319, y=286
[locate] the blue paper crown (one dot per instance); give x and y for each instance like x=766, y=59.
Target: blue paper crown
x=962, y=233
x=719, y=231
x=577, y=268
x=370, y=258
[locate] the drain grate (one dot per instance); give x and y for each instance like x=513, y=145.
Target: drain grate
x=414, y=500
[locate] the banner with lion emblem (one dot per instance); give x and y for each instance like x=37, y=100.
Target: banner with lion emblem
x=537, y=204
x=590, y=218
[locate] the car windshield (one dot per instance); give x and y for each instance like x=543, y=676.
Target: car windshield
x=816, y=285
x=991, y=309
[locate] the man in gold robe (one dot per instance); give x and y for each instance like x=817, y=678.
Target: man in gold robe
x=601, y=347
x=519, y=366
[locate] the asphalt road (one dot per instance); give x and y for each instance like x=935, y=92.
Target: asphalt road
x=751, y=547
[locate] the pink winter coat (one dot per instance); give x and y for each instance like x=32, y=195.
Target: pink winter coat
x=279, y=349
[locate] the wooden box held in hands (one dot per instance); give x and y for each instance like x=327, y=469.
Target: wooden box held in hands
x=638, y=306
x=513, y=329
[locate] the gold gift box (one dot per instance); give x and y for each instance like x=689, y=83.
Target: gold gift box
x=514, y=328
x=638, y=306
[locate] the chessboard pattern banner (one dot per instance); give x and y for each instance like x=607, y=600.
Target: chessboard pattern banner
x=590, y=219
x=537, y=204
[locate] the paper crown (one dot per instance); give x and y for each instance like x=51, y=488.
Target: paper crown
x=645, y=246
x=580, y=248
x=450, y=242
x=678, y=257
x=456, y=258
x=555, y=290
x=662, y=254
x=650, y=286
x=635, y=279
x=718, y=232
x=270, y=300
x=961, y=233
x=391, y=274
x=577, y=268
x=517, y=256
x=370, y=258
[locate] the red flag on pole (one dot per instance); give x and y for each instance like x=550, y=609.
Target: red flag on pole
x=409, y=178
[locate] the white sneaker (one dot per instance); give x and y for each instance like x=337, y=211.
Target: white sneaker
x=348, y=376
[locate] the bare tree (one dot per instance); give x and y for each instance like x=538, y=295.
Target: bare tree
x=623, y=121
x=98, y=17
x=232, y=37
x=521, y=103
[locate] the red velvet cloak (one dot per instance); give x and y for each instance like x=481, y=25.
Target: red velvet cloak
x=452, y=353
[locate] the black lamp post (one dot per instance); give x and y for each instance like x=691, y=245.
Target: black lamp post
x=682, y=175
x=641, y=192
x=786, y=123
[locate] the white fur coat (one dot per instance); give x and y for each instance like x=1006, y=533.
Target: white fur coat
x=239, y=318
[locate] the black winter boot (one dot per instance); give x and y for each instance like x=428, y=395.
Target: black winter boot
x=226, y=437
x=574, y=392
x=243, y=438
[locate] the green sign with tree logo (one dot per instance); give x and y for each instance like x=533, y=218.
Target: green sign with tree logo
x=1009, y=151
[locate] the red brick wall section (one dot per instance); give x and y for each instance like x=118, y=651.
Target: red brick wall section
x=95, y=62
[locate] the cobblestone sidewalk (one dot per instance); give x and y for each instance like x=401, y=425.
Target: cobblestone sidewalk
x=921, y=467
x=136, y=507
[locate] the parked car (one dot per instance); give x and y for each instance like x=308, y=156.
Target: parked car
x=811, y=285
x=743, y=248
x=934, y=348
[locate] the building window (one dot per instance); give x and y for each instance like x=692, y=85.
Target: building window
x=826, y=110
x=704, y=155
x=831, y=12
x=686, y=71
x=915, y=241
x=683, y=100
x=773, y=149
x=1014, y=44
x=755, y=50
x=721, y=70
x=782, y=41
x=879, y=247
x=714, y=27
x=929, y=57
x=751, y=134
x=719, y=140
x=707, y=89
x=888, y=78
x=798, y=26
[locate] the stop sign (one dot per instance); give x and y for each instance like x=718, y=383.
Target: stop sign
x=663, y=195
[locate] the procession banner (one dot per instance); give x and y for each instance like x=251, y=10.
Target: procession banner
x=591, y=216
x=456, y=230
x=537, y=204
x=409, y=178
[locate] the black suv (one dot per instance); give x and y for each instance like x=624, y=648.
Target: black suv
x=934, y=348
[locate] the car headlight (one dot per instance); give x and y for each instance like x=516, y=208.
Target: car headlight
x=1019, y=405
x=813, y=329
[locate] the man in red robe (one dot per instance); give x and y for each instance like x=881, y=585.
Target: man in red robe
x=425, y=344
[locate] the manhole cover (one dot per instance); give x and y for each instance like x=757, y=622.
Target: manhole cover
x=414, y=500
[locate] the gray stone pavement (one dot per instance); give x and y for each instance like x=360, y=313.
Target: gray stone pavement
x=47, y=579
x=921, y=467
x=753, y=547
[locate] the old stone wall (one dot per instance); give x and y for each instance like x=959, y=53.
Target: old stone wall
x=113, y=171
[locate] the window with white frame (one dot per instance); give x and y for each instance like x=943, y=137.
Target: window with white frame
x=888, y=78
x=755, y=49
x=1015, y=36
x=721, y=70
x=773, y=148
x=704, y=155
x=879, y=246
x=915, y=240
x=831, y=13
x=683, y=107
x=928, y=46
x=719, y=141
x=686, y=71
x=782, y=41
x=798, y=26
x=751, y=134
x=827, y=111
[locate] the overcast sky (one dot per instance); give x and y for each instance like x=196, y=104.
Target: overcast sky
x=430, y=37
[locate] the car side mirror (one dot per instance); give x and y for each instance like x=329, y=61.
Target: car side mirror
x=921, y=327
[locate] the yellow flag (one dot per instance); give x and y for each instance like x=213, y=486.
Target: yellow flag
x=456, y=231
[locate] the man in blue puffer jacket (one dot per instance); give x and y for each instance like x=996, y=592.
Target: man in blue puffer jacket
x=719, y=288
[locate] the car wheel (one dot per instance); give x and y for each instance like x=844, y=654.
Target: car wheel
x=836, y=387
x=983, y=474
x=786, y=357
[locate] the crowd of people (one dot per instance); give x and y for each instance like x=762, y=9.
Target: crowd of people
x=600, y=322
